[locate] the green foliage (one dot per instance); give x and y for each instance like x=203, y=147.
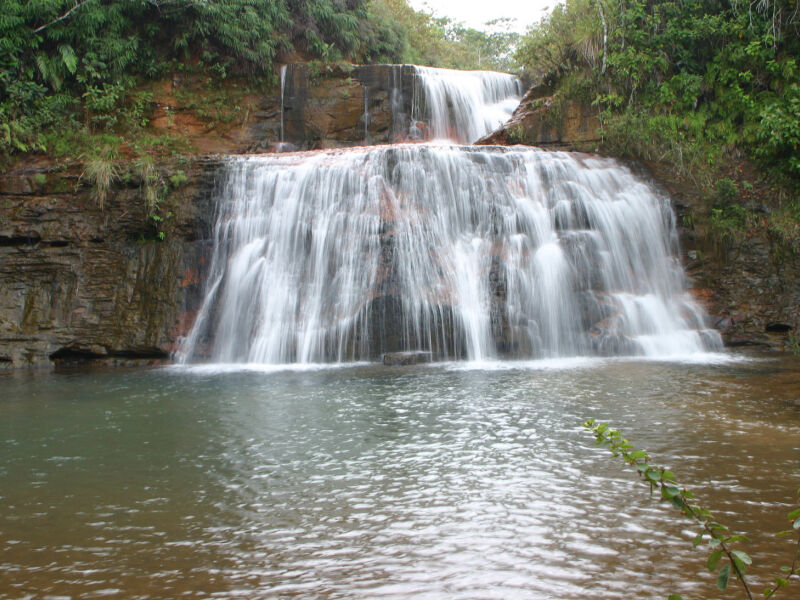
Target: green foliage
x=783, y=228
x=215, y=105
x=732, y=216
x=720, y=543
x=794, y=343
x=516, y=134
x=728, y=220
x=725, y=191
x=728, y=224
x=67, y=65
x=150, y=181
x=424, y=39
x=177, y=179
x=676, y=139
x=778, y=133
x=698, y=77
x=155, y=187
x=564, y=41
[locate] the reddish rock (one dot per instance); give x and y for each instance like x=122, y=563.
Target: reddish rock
x=543, y=119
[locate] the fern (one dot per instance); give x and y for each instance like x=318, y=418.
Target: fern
x=69, y=57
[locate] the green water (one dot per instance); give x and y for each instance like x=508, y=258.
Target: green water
x=372, y=482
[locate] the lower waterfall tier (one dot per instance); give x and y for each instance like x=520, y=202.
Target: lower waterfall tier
x=462, y=252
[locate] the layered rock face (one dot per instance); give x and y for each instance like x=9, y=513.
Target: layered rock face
x=545, y=120
x=80, y=282
x=750, y=285
x=337, y=107
x=362, y=105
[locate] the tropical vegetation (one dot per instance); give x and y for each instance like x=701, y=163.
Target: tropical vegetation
x=709, y=89
x=688, y=81
x=74, y=73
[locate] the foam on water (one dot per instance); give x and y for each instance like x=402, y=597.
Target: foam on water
x=593, y=362
x=222, y=368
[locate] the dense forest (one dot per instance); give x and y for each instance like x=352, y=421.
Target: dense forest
x=76, y=69
x=690, y=79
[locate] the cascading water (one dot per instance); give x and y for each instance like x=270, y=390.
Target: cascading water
x=395, y=87
x=366, y=114
x=462, y=106
x=465, y=252
x=399, y=103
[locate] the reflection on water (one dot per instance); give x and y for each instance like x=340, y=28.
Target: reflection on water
x=446, y=481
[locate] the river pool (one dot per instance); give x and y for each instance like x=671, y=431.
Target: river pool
x=436, y=481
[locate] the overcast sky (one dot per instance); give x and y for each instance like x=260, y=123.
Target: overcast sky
x=475, y=13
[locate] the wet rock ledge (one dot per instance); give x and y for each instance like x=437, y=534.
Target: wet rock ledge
x=78, y=282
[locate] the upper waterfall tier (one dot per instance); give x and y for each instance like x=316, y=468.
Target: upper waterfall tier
x=463, y=106
x=391, y=103
x=463, y=252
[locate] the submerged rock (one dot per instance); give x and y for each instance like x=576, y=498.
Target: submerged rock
x=406, y=358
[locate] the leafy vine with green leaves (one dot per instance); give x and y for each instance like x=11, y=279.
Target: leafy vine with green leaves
x=724, y=555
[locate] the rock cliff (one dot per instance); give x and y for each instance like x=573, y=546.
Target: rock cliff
x=547, y=120
x=78, y=282
x=347, y=106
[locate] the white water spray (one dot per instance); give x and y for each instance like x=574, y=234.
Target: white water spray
x=464, y=252
x=463, y=106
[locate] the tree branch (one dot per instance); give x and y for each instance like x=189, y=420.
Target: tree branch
x=78, y=4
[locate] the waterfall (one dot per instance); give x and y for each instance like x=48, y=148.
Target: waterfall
x=400, y=103
x=463, y=106
x=465, y=252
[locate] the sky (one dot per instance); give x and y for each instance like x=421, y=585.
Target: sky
x=474, y=13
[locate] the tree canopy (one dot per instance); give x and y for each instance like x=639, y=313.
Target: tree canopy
x=680, y=79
